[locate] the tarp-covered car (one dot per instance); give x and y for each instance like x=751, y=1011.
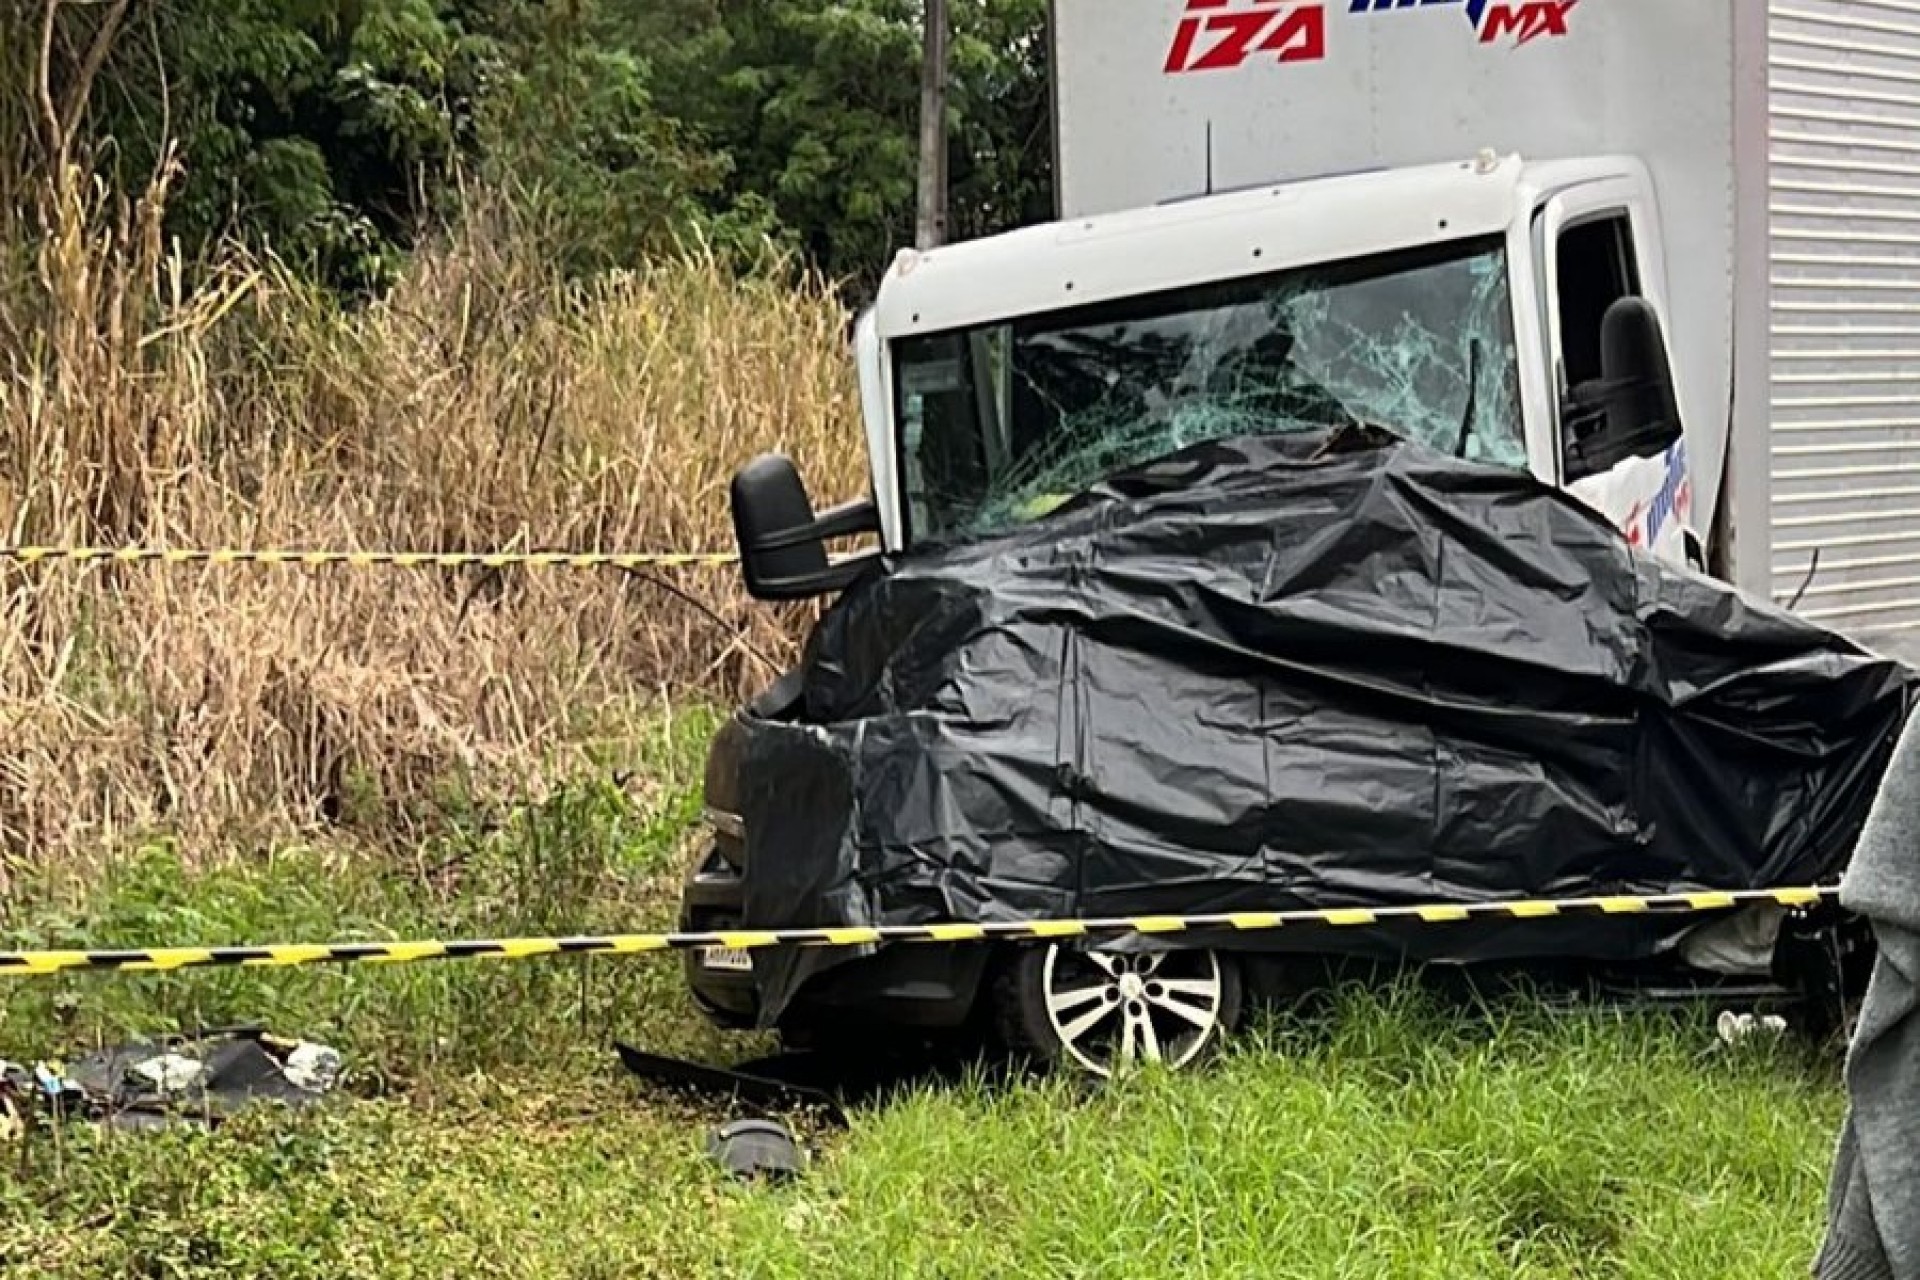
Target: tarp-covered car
x=1273, y=673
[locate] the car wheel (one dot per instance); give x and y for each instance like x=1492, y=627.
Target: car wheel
x=1102, y=1011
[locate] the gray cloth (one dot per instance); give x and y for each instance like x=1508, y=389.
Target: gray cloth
x=1873, y=1223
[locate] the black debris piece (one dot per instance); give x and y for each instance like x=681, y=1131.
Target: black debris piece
x=738, y=1084
x=203, y=1078
x=753, y=1149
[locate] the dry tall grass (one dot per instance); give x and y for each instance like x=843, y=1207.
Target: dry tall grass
x=481, y=405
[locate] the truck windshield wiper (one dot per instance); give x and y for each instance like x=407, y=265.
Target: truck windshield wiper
x=1473, y=389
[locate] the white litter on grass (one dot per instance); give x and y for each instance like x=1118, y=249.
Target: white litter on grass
x=171, y=1073
x=314, y=1067
x=1735, y=1027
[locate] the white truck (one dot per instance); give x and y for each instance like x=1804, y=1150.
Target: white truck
x=1421, y=212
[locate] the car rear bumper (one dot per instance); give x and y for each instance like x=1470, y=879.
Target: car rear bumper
x=711, y=900
x=919, y=986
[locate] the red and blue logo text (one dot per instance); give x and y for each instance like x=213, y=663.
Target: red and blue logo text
x=1521, y=21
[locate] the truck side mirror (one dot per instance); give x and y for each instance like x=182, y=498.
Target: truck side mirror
x=1631, y=410
x=1633, y=355
x=783, y=544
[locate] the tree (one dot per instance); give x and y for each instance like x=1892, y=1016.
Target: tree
x=306, y=124
x=1000, y=108
x=333, y=130
x=817, y=106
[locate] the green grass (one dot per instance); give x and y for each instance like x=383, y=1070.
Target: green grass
x=1389, y=1139
x=490, y=1132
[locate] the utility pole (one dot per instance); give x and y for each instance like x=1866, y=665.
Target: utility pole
x=931, y=225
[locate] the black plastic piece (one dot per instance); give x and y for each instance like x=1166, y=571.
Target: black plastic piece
x=755, y=1148
x=779, y=698
x=720, y=1082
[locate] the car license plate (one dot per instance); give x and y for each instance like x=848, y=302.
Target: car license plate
x=727, y=959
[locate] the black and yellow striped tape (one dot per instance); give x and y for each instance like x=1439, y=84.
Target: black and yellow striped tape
x=371, y=559
x=162, y=959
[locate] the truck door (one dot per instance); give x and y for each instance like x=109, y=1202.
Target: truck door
x=1617, y=449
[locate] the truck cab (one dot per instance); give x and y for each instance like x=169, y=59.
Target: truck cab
x=1498, y=310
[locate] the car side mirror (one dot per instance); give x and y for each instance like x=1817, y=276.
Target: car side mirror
x=783, y=544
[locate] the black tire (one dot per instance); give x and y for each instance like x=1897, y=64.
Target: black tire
x=1827, y=957
x=1026, y=1028
x=805, y=1037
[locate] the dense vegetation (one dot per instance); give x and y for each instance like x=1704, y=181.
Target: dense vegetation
x=335, y=131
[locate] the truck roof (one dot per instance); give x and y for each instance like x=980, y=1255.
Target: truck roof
x=1135, y=252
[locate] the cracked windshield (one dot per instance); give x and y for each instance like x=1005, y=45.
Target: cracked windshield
x=1002, y=423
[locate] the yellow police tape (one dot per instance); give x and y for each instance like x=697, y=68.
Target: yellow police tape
x=371, y=559
x=162, y=959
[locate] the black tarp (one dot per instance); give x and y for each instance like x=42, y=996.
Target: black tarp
x=1286, y=673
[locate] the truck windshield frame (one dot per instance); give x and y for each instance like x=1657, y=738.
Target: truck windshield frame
x=999, y=423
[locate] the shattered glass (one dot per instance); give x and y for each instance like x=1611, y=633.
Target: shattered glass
x=1004, y=422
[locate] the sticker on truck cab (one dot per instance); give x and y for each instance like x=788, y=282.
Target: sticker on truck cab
x=1649, y=499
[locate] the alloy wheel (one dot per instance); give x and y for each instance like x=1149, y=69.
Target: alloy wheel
x=1112, y=1010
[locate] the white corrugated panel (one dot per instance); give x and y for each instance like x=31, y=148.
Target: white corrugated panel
x=1844, y=89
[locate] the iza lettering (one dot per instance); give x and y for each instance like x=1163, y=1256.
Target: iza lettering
x=1522, y=21
x=1219, y=35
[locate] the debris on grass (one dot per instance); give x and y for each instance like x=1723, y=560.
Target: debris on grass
x=203, y=1079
